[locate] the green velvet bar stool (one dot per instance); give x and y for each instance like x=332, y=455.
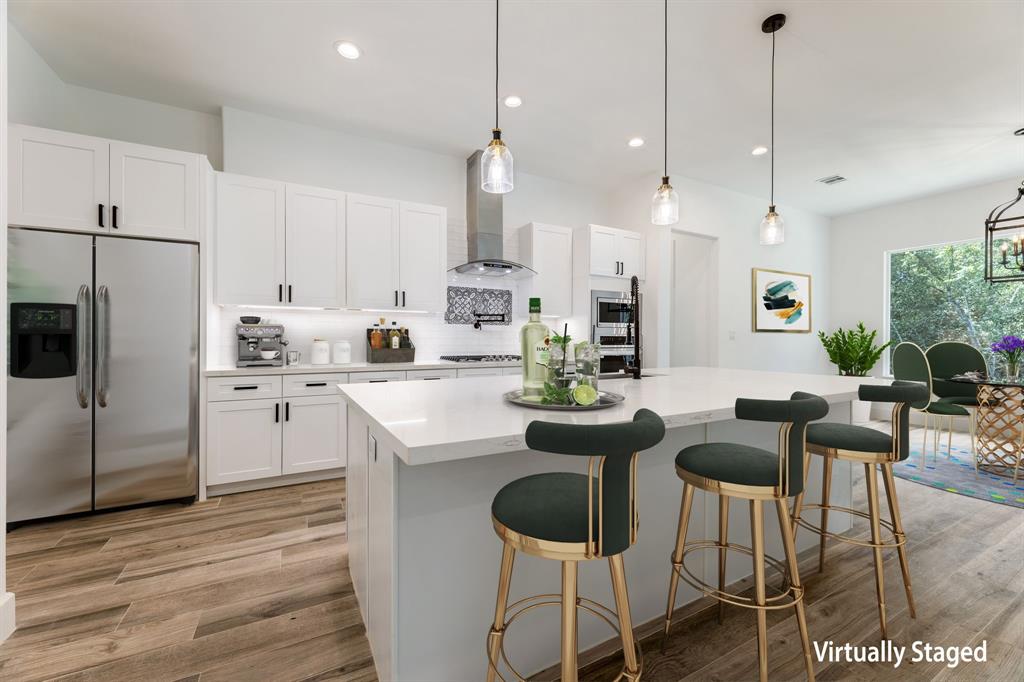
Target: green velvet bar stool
x=759, y=476
x=947, y=359
x=910, y=363
x=872, y=448
x=571, y=518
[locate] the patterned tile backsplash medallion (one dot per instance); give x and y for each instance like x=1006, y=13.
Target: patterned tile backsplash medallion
x=464, y=303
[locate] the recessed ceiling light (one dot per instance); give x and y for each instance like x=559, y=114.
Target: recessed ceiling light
x=759, y=150
x=513, y=101
x=348, y=50
x=636, y=142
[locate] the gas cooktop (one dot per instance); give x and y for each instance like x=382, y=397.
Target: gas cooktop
x=481, y=358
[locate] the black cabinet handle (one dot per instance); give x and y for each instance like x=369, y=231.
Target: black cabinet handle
x=277, y=412
x=280, y=293
x=113, y=217
x=396, y=298
x=289, y=293
x=287, y=411
x=314, y=385
x=246, y=388
x=403, y=298
x=431, y=378
x=101, y=216
x=378, y=381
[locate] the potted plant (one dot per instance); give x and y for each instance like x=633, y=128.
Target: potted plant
x=1012, y=350
x=854, y=353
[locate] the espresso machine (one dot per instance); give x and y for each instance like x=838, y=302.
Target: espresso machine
x=260, y=345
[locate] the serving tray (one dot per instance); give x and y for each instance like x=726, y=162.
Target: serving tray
x=604, y=399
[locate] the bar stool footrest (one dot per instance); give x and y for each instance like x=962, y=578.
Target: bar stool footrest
x=520, y=607
x=787, y=596
x=899, y=539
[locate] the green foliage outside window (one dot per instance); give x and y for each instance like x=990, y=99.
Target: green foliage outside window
x=939, y=293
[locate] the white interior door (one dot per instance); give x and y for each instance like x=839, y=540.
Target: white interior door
x=315, y=252
x=421, y=256
x=604, y=260
x=58, y=180
x=694, y=301
x=243, y=440
x=250, y=241
x=154, y=192
x=314, y=434
x=371, y=253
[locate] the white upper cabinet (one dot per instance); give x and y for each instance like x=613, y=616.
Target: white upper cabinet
x=615, y=253
x=154, y=192
x=75, y=182
x=250, y=241
x=58, y=180
x=422, y=255
x=548, y=250
x=372, y=252
x=315, y=247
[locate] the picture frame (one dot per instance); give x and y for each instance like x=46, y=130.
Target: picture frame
x=780, y=301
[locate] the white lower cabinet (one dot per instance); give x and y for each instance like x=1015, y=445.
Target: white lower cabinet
x=243, y=440
x=314, y=434
x=480, y=372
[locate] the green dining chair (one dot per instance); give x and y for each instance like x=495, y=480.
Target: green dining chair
x=947, y=359
x=910, y=363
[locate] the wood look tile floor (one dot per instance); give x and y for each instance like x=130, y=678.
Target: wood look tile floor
x=967, y=566
x=253, y=586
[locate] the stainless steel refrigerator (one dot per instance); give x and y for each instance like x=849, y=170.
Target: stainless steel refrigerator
x=103, y=343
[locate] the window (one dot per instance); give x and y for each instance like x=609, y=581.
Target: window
x=939, y=293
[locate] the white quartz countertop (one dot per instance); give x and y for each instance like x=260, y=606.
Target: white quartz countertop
x=354, y=367
x=436, y=421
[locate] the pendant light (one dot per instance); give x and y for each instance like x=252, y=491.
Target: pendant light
x=496, y=163
x=665, y=204
x=772, y=227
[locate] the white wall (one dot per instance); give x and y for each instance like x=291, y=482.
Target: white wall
x=39, y=97
x=6, y=598
x=732, y=219
x=860, y=241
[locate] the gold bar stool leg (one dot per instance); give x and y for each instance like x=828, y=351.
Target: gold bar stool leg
x=569, y=621
x=757, y=528
x=723, y=539
x=897, y=524
x=798, y=501
x=949, y=440
x=924, y=441
x=876, y=538
x=508, y=554
x=826, y=488
x=625, y=618
x=789, y=544
x=677, y=555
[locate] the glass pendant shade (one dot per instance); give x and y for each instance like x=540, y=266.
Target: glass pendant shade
x=665, y=205
x=773, y=229
x=496, y=175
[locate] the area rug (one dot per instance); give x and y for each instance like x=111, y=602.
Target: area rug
x=956, y=474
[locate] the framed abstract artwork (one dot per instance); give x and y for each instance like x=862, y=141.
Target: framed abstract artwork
x=781, y=301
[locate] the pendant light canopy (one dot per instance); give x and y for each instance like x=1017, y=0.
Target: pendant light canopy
x=773, y=229
x=665, y=203
x=496, y=174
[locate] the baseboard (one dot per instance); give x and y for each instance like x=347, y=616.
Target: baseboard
x=277, y=482
x=6, y=615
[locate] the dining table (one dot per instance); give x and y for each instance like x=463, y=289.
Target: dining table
x=999, y=422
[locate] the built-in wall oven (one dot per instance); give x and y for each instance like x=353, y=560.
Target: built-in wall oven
x=610, y=316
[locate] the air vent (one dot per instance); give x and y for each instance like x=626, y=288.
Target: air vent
x=832, y=180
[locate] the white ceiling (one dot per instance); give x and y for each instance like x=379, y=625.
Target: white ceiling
x=903, y=98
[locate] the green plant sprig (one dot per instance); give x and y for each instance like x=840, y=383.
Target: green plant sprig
x=854, y=352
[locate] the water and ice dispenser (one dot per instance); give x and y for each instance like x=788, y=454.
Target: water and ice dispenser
x=43, y=340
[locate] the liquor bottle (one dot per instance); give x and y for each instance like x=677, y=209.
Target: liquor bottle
x=376, y=337
x=535, y=339
x=394, y=336
x=405, y=341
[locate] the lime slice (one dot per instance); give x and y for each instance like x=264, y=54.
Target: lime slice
x=584, y=394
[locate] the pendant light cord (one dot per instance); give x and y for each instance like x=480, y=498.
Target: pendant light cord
x=497, y=9
x=665, y=151
x=772, y=141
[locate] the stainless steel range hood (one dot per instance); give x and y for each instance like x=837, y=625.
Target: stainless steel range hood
x=484, y=230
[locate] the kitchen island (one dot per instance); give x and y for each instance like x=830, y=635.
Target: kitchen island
x=425, y=460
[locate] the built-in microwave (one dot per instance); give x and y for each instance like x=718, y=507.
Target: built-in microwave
x=610, y=315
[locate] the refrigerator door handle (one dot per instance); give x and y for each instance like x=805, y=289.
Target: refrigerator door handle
x=83, y=375
x=102, y=343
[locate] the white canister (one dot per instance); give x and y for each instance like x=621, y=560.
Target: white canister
x=321, y=353
x=342, y=352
